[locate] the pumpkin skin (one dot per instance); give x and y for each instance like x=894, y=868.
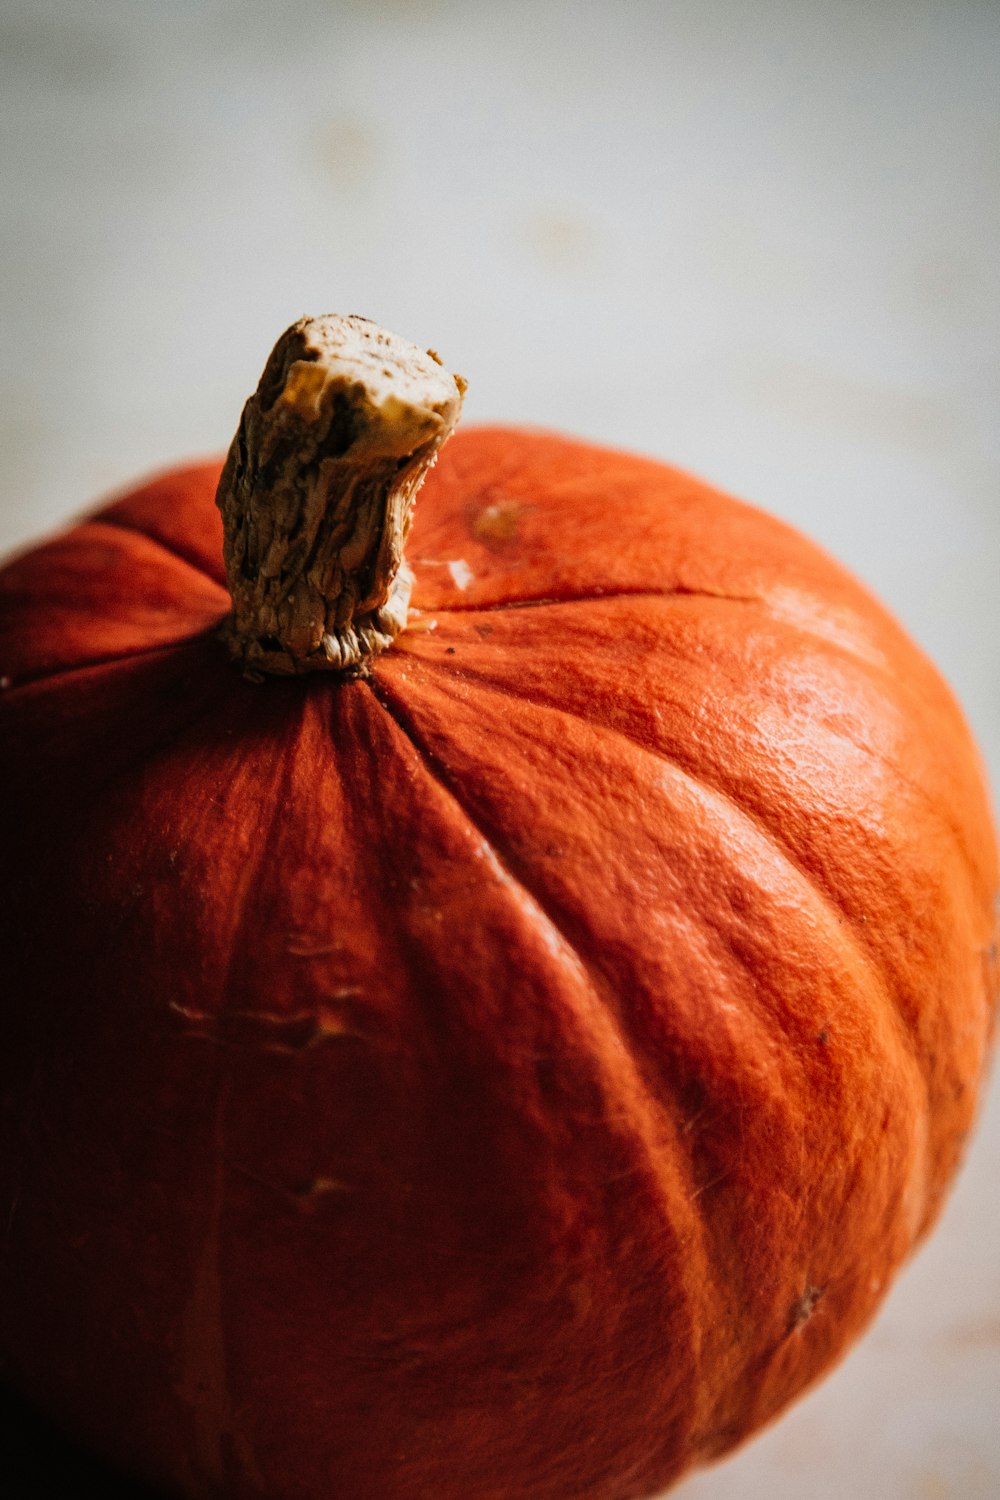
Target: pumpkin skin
x=515, y=1074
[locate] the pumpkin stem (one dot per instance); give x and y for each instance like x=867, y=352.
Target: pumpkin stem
x=317, y=493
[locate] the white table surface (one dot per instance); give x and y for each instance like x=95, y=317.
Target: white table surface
x=757, y=240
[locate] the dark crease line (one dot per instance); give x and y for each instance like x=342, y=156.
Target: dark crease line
x=170, y=550
x=840, y=648
x=813, y=883
x=168, y=737
x=602, y=988
x=659, y=1092
x=705, y=789
x=52, y=679
x=857, y=946
x=546, y=601
x=442, y=778
x=879, y=668
x=269, y=825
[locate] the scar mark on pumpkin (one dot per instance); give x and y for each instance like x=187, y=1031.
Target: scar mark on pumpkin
x=312, y=1192
x=274, y=1032
x=804, y=1306
x=713, y=1182
x=305, y=1193
x=301, y=948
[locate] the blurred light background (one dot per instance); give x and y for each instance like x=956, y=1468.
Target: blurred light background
x=758, y=240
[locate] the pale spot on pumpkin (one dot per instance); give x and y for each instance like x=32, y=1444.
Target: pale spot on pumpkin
x=461, y=574
x=317, y=1188
x=497, y=524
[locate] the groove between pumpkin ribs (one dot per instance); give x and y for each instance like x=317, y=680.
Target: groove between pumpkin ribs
x=819, y=897
x=811, y=881
x=550, y=601
x=919, y=1180
x=611, y=1012
x=46, y=680
x=171, y=550
x=869, y=664
x=775, y=615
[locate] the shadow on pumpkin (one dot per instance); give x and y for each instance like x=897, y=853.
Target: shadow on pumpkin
x=39, y=1463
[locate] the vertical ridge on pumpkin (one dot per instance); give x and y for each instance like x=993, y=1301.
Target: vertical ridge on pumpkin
x=809, y=745
x=596, y=1054
x=556, y=1089
x=473, y=729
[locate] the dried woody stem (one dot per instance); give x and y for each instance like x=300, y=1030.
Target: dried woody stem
x=317, y=493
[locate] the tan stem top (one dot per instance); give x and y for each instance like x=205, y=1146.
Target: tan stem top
x=317, y=492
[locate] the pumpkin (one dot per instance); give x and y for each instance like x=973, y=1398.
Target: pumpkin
x=497, y=1029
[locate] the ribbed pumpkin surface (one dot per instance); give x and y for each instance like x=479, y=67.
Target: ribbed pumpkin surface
x=511, y=1076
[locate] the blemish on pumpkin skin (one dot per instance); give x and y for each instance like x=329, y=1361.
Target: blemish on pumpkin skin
x=309, y=1195
x=267, y=1032
x=302, y=948
x=706, y=1187
x=803, y=1307
x=497, y=525
x=461, y=574
x=418, y=624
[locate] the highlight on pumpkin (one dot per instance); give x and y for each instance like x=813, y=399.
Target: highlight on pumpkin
x=317, y=494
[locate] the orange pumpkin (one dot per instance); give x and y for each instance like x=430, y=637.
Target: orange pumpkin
x=512, y=1068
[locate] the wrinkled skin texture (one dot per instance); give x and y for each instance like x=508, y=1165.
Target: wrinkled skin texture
x=512, y=1076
